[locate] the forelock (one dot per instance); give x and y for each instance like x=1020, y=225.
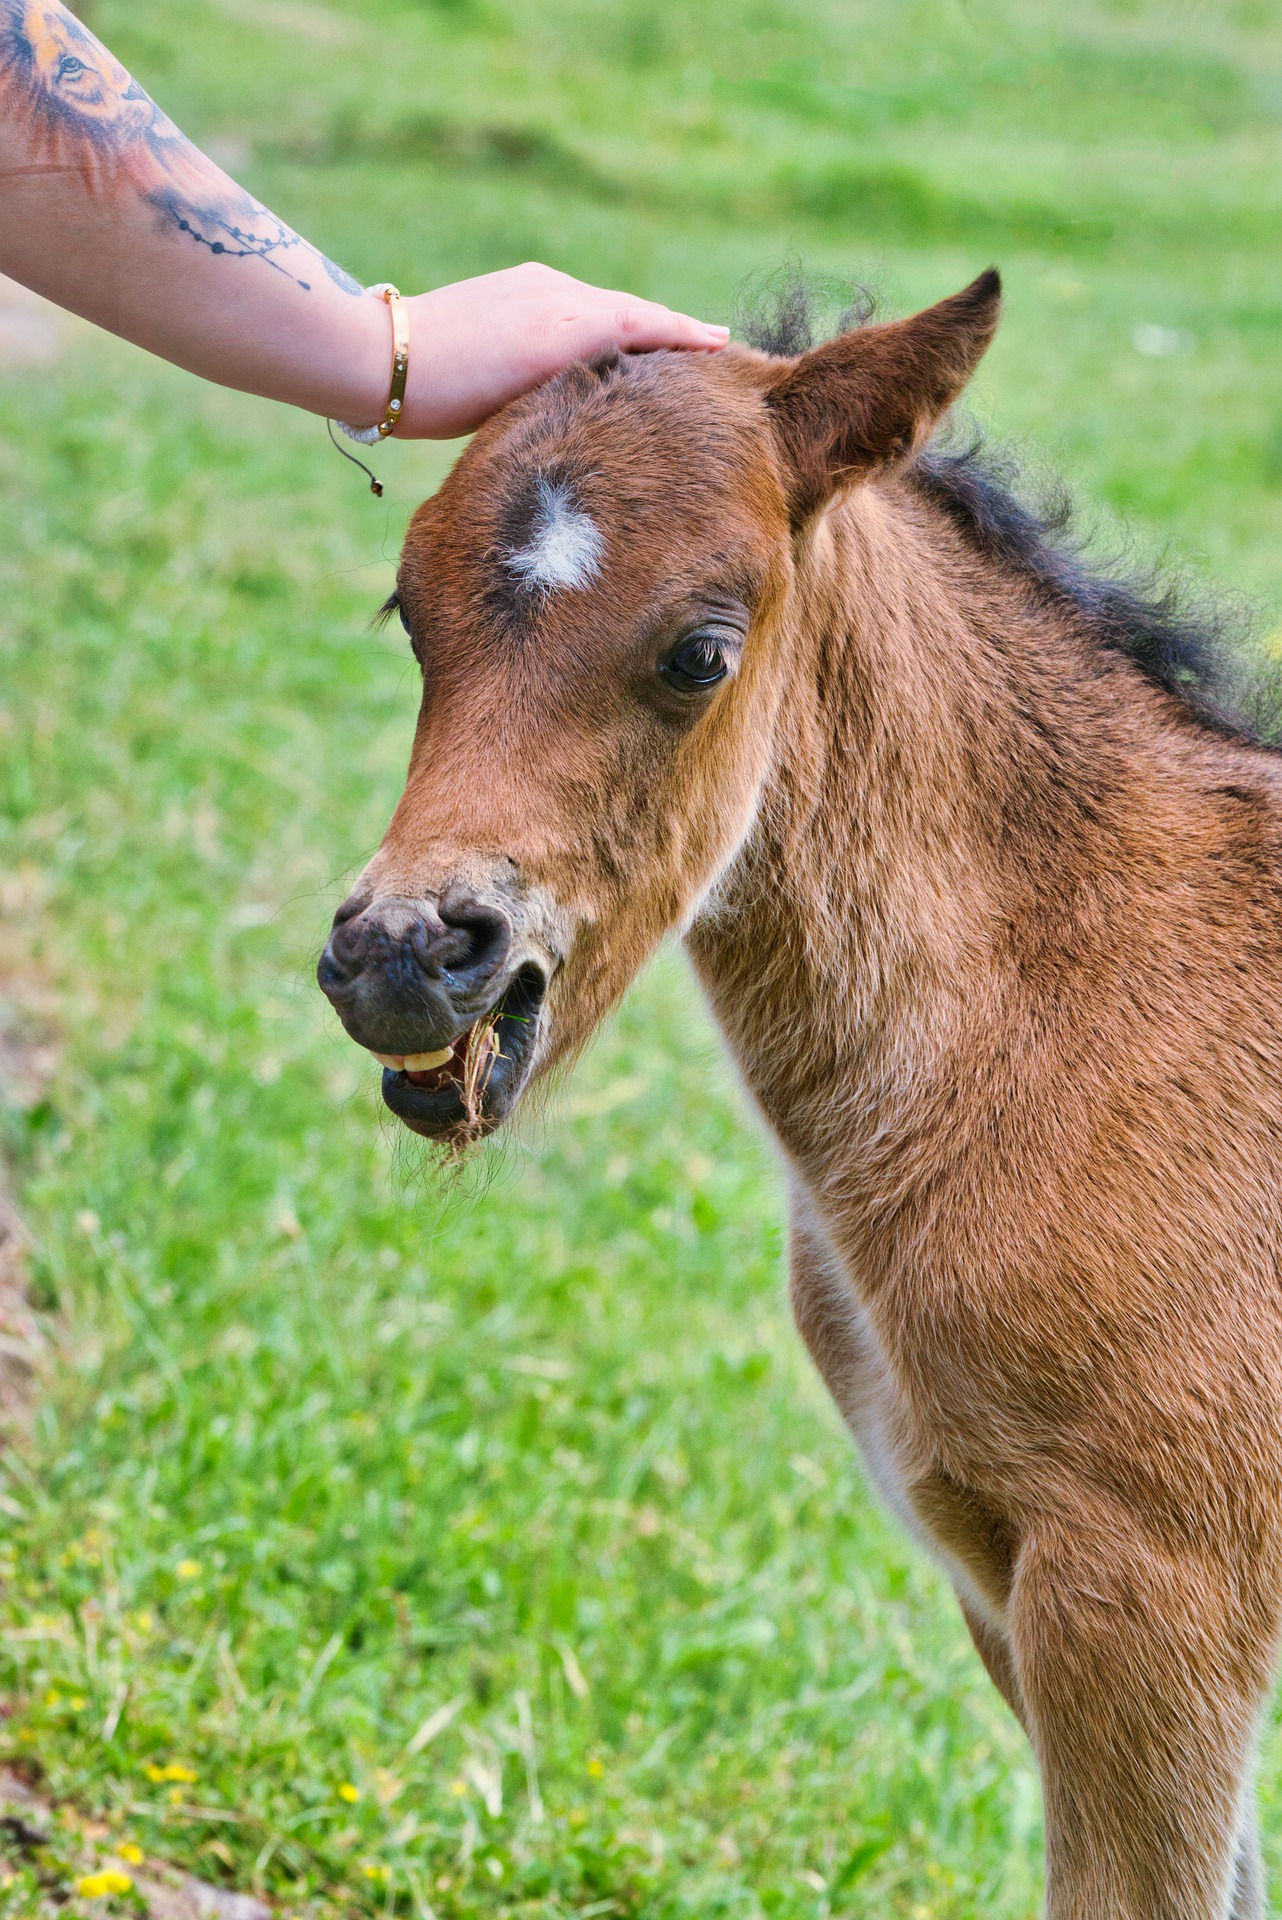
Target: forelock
x=564, y=547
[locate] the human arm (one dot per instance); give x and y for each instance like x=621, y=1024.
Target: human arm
x=107, y=209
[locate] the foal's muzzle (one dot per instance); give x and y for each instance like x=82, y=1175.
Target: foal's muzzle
x=408, y=976
x=411, y=978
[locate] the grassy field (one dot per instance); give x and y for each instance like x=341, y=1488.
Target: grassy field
x=400, y=1551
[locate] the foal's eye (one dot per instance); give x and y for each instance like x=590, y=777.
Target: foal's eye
x=392, y=605
x=698, y=663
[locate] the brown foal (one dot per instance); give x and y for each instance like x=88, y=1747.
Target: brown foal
x=988, y=903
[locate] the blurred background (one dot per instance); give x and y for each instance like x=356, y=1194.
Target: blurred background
x=395, y=1548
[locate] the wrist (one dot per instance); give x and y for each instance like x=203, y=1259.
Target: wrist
x=355, y=383
x=424, y=412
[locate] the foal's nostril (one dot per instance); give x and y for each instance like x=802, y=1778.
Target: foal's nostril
x=355, y=903
x=477, y=940
x=343, y=952
x=346, y=951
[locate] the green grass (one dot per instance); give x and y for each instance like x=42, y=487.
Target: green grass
x=329, y=1450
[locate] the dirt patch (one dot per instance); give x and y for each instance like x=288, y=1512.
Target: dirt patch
x=70, y=1859
x=22, y=1343
x=28, y=1056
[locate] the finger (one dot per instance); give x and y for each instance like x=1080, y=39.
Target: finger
x=634, y=326
x=637, y=327
x=641, y=326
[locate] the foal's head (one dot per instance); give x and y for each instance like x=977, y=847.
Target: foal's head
x=598, y=599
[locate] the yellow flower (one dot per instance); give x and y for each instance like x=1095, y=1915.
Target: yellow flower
x=595, y=1769
x=53, y=1698
x=130, y=1852
x=77, y=1702
x=95, y=1886
x=372, y=1872
x=459, y=1789
x=349, y=1793
x=175, y=1796
x=174, y=1771
x=188, y=1569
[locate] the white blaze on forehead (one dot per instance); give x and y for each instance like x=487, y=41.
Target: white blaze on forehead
x=565, y=544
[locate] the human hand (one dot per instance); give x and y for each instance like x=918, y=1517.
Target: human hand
x=479, y=343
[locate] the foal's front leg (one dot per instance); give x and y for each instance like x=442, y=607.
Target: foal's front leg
x=1142, y=1682
x=1248, y=1871
x=993, y=1649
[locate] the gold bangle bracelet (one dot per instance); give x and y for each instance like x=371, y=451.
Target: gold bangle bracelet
x=370, y=436
x=400, y=357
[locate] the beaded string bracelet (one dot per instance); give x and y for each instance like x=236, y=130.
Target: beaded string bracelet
x=370, y=436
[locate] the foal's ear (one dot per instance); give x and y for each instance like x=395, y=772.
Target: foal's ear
x=872, y=397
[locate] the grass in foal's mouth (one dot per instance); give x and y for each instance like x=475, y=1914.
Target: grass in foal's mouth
x=501, y=1556
x=478, y=1064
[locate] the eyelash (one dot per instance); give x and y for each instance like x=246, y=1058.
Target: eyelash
x=704, y=648
x=392, y=605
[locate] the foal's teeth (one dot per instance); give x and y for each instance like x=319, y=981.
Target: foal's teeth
x=424, y=1062
x=415, y=1062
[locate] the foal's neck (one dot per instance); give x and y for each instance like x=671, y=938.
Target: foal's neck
x=958, y=781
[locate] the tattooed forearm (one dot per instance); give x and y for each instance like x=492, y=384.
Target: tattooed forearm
x=81, y=111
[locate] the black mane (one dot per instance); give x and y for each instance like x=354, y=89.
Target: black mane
x=1193, y=647
x=783, y=312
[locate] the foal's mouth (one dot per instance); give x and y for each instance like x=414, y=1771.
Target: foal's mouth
x=462, y=1091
